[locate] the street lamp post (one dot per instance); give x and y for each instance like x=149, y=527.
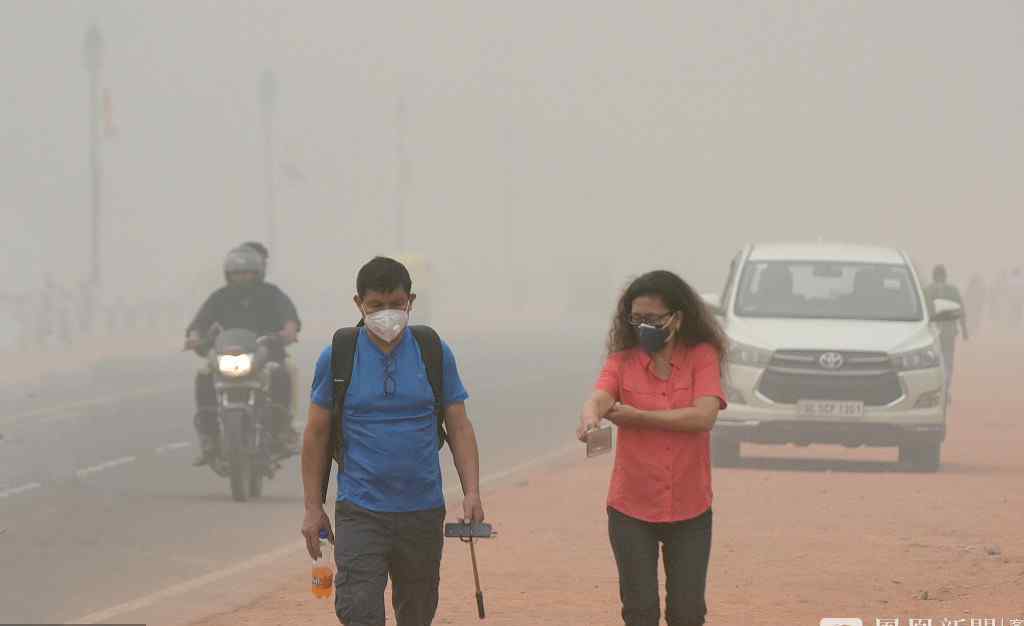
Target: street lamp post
x=268, y=102
x=93, y=53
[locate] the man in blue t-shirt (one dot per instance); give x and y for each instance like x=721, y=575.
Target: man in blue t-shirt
x=389, y=514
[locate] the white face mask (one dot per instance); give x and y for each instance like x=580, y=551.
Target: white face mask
x=387, y=324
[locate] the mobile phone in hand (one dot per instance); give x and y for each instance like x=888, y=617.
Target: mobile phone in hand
x=483, y=530
x=599, y=441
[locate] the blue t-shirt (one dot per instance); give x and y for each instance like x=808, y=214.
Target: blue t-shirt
x=391, y=461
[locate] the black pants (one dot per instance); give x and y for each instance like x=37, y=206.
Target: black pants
x=686, y=548
x=370, y=547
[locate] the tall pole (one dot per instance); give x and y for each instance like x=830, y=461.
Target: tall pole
x=93, y=53
x=268, y=102
x=402, y=183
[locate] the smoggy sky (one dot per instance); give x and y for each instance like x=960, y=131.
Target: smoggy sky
x=545, y=141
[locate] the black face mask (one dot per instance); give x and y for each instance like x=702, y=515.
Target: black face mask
x=652, y=339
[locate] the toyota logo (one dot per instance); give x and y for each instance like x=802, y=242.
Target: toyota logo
x=831, y=360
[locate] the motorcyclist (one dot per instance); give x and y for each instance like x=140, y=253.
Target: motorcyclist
x=286, y=302
x=289, y=307
x=250, y=303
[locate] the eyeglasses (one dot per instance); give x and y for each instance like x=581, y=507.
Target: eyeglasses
x=651, y=320
x=389, y=378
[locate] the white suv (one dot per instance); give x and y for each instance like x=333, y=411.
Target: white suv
x=831, y=343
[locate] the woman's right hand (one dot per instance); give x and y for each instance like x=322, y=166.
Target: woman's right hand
x=587, y=423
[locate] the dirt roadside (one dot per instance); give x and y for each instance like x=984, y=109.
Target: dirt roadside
x=800, y=534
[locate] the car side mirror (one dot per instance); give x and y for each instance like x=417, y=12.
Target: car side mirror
x=713, y=302
x=946, y=311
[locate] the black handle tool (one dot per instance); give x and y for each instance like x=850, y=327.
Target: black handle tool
x=469, y=533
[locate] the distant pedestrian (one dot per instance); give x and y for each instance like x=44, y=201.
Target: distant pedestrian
x=941, y=289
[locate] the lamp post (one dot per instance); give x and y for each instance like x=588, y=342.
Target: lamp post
x=92, y=51
x=268, y=102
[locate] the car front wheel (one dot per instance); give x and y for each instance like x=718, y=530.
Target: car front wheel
x=922, y=457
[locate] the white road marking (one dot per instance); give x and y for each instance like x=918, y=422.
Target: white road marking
x=82, y=473
x=102, y=466
x=16, y=490
x=108, y=399
x=196, y=583
x=268, y=557
x=172, y=446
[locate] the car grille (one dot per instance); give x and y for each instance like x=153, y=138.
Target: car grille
x=867, y=377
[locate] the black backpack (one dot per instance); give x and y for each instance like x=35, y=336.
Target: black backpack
x=343, y=354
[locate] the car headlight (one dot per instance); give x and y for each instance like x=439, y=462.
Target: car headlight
x=235, y=365
x=925, y=358
x=929, y=400
x=742, y=354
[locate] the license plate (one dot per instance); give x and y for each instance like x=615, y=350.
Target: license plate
x=829, y=408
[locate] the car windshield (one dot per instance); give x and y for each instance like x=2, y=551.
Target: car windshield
x=828, y=290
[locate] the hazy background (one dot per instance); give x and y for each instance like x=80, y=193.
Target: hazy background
x=545, y=140
x=552, y=150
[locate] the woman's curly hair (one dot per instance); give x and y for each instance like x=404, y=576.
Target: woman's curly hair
x=698, y=325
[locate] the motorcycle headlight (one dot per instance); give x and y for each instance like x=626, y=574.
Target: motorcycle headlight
x=925, y=358
x=235, y=365
x=742, y=354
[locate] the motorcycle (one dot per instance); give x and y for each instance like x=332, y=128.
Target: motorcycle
x=243, y=365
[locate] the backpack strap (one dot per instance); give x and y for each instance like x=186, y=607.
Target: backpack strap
x=433, y=359
x=343, y=354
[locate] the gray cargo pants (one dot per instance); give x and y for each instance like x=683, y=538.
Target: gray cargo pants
x=370, y=547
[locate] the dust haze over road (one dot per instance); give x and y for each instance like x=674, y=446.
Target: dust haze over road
x=544, y=154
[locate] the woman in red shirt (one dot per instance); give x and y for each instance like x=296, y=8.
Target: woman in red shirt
x=661, y=387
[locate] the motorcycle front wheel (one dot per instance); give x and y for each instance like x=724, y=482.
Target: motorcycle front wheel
x=241, y=475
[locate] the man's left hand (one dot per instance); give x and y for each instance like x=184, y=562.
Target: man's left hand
x=472, y=510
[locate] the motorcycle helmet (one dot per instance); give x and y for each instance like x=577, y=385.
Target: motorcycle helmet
x=244, y=259
x=258, y=247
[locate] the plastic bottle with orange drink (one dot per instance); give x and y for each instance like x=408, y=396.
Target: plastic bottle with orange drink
x=323, y=569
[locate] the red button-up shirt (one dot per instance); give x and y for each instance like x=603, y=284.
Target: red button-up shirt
x=662, y=475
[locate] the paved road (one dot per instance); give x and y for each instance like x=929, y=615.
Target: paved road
x=99, y=503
